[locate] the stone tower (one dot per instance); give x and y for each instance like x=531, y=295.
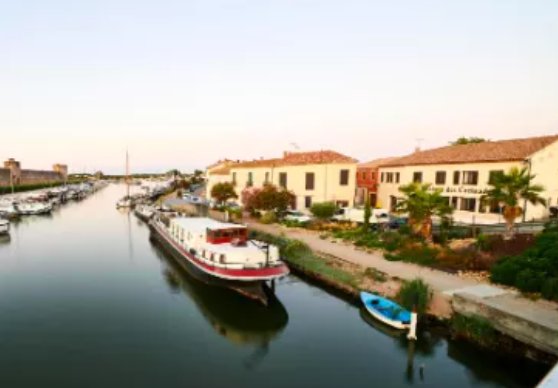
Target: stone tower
x=15, y=170
x=61, y=169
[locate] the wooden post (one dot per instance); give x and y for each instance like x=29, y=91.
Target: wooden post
x=412, y=335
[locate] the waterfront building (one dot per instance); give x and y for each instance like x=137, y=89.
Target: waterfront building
x=367, y=179
x=464, y=173
x=313, y=177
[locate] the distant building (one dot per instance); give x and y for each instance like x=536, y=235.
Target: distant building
x=367, y=182
x=12, y=173
x=313, y=177
x=464, y=173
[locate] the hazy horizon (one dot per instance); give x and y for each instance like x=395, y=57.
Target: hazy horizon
x=181, y=84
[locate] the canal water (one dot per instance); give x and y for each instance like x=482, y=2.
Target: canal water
x=86, y=300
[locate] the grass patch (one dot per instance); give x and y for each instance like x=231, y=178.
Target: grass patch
x=374, y=274
x=299, y=254
x=474, y=327
x=21, y=188
x=415, y=294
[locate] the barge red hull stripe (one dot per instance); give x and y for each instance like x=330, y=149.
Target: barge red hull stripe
x=230, y=274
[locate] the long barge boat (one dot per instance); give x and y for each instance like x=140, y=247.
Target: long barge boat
x=220, y=254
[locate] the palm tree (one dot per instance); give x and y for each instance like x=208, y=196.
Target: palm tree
x=508, y=190
x=421, y=203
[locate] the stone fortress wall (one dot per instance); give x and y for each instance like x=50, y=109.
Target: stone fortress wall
x=59, y=173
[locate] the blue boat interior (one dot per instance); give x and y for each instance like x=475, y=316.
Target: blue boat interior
x=387, y=308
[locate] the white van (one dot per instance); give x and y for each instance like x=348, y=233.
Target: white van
x=378, y=216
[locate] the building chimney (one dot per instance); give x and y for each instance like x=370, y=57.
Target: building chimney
x=417, y=149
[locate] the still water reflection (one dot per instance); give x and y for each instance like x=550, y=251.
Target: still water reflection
x=86, y=300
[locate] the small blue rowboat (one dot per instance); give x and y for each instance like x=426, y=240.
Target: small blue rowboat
x=386, y=311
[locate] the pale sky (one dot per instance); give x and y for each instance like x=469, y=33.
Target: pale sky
x=183, y=83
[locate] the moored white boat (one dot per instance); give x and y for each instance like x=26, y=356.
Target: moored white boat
x=7, y=209
x=4, y=226
x=144, y=212
x=221, y=253
x=33, y=208
x=125, y=202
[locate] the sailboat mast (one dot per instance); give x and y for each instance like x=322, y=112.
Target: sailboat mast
x=127, y=175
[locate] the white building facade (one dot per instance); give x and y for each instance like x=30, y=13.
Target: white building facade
x=313, y=177
x=464, y=173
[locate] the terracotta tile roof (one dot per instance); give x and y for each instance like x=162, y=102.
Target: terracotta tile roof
x=489, y=151
x=221, y=171
x=376, y=162
x=298, y=158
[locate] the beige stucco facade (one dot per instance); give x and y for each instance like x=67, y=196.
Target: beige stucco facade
x=465, y=196
x=327, y=179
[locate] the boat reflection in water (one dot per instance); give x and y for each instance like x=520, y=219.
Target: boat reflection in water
x=242, y=321
x=424, y=345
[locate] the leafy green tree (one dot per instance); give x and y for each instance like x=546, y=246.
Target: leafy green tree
x=323, y=210
x=509, y=190
x=421, y=203
x=468, y=140
x=223, y=191
x=267, y=198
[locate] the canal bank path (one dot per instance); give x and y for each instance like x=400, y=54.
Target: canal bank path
x=532, y=322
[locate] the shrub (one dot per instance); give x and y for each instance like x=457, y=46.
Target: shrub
x=415, y=294
x=268, y=218
x=536, y=269
x=483, y=242
x=550, y=288
x=323, y=210
x=392, y=241
x=418, y=254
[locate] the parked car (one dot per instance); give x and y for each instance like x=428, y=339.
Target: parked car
x=378, y=216
x=293, y=215
x=395, y=223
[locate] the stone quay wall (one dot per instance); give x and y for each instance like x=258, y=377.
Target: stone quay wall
x=19, y=176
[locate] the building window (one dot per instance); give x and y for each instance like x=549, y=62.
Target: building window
x=389, y=177
x=454, y=202
x=492, y=176
x=397, y=177
x=283, y=180
x=494, y=207
x=440, y=177
x=266, y=177
x=382, y=178
x=417, y=177
x=344, y=177
x=468, y=204
x=309, y=181
x=250, y=182
x=308, y=202
x=372, y=176
x=456, y=175
x=470, y=177
x=234, y=178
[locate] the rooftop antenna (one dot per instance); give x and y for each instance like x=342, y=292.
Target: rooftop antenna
x=419, y=141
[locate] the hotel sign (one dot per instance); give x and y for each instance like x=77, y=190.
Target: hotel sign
x=461, y=190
